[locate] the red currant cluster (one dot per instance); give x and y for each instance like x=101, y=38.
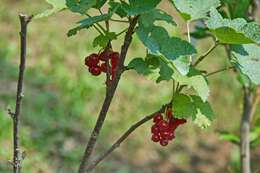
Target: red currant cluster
x=163, y=130
x=105, y=62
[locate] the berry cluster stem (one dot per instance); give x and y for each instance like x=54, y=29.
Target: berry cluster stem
x=108, y=98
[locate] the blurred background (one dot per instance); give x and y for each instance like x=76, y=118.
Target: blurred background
x=62, y=101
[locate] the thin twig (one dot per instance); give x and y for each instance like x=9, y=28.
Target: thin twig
x=124, y=137
x=121, y=32
x=109, y=96
x=100, y=26
x=98, y=30
x=17, y=158
x=121, y=21
x=218, y=71
x=203, y=56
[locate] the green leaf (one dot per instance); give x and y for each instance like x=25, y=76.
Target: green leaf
x=183, y=106
x=140, y=66
x=248, y=57
x=80, y=6
x=102, y=40
x=157, y=40
x=195, y=80
x=236, y=31
x=255, y=143
x=119, y=9
x=239, y=9
x=204, y=115
x=195, y=9
x=182, y=64
x=88, y=22
x=243, y=80
x=165, y=72
x=57, y=5
x=199, y=32
x=136, y=7
x=99, y=3
x=227, y=136
x=148, y=19
x=152, y=67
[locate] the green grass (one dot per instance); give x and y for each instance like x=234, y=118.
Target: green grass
x=62, y=101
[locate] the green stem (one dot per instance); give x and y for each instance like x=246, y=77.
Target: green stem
x=100, y=32
x=173, y=88
x=121, y=21
x=218, y=71
x=203, y=56
x=100, y=26
x=189, y=39
x=121, y=32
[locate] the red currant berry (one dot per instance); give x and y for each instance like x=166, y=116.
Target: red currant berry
x=171, y=136
x=103, y=67
x=164, y=142
x=92, y=60
x=157, y=118
x=163, y=125
x=165, y=135
x=155, y=129
x=155, y=138
x=105, y=55
x=95, y=70
x=114, y=58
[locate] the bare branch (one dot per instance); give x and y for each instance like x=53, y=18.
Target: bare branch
x=124, y=137
x=245, y=131
x=24, y=20
x=109, y=96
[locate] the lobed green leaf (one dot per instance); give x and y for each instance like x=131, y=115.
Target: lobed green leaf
x=136, y=7
x=194, y=9
x=248, y=58
x=57, y=5
x=236, y=31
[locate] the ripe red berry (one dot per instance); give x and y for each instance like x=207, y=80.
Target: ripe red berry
x=163, y=142
x=171, y=136
x=155, y=138
x=155, y=129
x=163, y=125
x=95, y=70
x=105, y=55
x=165, y=135
x=157, y=118
x=114, y=58
x=92, y=60
x=103, y=67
